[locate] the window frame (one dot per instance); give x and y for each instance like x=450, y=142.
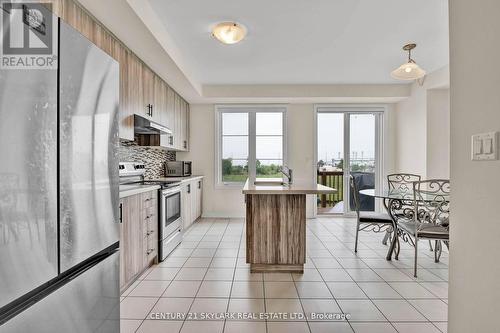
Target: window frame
x=251, y=110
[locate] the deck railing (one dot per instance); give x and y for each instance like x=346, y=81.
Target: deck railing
x=333, y=179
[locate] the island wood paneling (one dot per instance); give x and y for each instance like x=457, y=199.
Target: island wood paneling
x=276, y=232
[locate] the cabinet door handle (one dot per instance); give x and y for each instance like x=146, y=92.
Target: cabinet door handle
x=185, y=144
x=171, y=139
x=189, y=188
x=199, y=184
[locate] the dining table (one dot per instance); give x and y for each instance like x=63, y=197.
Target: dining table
x=394, y=200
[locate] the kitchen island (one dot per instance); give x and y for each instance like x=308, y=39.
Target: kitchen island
x=276, y=224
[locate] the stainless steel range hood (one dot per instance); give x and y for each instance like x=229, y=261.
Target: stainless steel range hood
x=145, y=126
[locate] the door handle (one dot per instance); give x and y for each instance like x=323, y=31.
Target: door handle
x=121, y=213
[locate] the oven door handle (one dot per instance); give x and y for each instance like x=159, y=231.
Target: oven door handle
x=167, y=193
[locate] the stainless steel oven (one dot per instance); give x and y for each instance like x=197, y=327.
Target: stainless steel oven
x=170, y=220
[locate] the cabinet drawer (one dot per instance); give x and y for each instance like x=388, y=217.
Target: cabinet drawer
x=148, y=203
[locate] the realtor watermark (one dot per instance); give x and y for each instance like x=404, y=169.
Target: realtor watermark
x=248, y=316
x=29, y=36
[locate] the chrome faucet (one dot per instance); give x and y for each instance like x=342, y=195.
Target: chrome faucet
x=287, y=172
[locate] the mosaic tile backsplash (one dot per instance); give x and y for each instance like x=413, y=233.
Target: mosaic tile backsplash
x=152, y=157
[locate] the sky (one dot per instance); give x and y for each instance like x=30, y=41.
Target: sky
x=269, y=145
x=331, y=136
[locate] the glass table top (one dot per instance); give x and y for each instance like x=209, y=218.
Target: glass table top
x=399, y=194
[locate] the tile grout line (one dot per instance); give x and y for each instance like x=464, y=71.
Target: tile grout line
x=407, y=300
x=194, y=298
x=356, y=282
x=371, y=266
x=234, y=274
x=322, y=278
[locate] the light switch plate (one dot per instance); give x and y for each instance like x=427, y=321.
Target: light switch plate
x=485, y=146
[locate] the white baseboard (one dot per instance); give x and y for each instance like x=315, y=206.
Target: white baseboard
x=223, y=215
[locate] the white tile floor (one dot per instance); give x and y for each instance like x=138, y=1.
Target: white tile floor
x=207, y=273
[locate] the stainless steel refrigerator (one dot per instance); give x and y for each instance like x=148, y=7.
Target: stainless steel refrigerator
x=59, y=216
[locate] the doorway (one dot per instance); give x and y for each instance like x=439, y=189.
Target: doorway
x=348, y=142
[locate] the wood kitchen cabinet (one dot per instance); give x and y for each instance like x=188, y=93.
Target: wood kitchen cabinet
x=184, y=125
x=191, y=206
x=126, y=114
x=134, y=86
x=148, y=99
x=164, y=96
x=138, y=235
x=139, y=85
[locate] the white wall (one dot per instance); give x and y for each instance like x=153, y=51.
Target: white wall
x=438, y=134
x=475, y=212
x=229, y=202
x=216, y=202
x=414, y=136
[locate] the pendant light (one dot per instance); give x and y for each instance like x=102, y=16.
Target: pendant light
x=409, y=70
x=229, y=32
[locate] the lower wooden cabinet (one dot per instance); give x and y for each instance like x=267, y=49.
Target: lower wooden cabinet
x=138, y=235
x=191, y=201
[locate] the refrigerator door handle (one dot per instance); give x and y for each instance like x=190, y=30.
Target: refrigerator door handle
x=121, y=214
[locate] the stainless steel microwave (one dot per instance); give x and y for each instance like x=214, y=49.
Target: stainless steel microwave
x=178, y=169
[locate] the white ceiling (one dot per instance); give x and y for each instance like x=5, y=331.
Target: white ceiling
x=302, y=41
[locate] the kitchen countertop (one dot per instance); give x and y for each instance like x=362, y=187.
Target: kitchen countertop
x=294, y=188
x=181, y=179
x=133, y=189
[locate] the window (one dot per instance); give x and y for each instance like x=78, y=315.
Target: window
x=250, y=141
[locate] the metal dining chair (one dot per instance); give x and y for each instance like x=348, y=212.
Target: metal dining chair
x=402, y=182
x=368, y=221
x=431, y=222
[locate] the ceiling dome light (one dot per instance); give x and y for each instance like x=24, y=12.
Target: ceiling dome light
x=409, y=70
x=229, y=32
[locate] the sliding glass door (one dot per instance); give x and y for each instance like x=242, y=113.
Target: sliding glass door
x=348, y=144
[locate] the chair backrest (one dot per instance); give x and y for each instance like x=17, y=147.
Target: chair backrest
x=432, y=201
x=402, y=181
x=355, y=193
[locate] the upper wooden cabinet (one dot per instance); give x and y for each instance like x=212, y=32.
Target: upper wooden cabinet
x=126, y=113
x=148, y=99
x=142, y=92
x=184, y=125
